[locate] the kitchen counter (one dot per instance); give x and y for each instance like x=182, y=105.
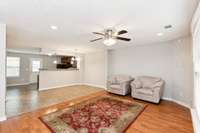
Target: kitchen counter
x=56, y=78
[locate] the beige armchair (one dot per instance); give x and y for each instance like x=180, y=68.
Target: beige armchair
x=119, y=84
x=147, y=88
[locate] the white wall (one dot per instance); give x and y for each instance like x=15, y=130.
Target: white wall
x=2, y=70
x=196, y=61
x=170, y=60
x=95, y=69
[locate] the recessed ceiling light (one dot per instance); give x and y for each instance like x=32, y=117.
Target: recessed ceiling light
x=53, y=27
x=160, y=34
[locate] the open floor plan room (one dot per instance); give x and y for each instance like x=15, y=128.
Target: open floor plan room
x=97, y=66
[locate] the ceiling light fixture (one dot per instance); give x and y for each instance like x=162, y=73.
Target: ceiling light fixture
x=53, y=27
x=55, y=62
x=109, y=41
x=49, y=54
x=73, y=59
x=160, y=34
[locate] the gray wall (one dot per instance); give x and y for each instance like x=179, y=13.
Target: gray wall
x=24, y=78
x=95, y=69
x=171, y=60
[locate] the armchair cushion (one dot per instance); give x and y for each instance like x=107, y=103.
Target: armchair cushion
x=145, y=91
x=115, y=86
x=148, y=82
x=122, y=78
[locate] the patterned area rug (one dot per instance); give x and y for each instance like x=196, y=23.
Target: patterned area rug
x=99, y=115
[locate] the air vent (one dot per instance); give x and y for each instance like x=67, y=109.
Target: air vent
x=168, y=26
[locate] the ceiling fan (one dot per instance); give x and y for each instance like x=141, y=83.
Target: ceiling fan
x=110, y=36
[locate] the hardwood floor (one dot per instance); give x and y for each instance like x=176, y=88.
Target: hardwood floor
x=26, y=98
x=166, y=117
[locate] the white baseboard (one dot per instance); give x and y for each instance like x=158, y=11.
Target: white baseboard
x=54, y=87
x=95, y=85
x=195, y=121
x=3, y=118
x=60, y=86
x=176, y=101
x=32, y=82
x=10, y=85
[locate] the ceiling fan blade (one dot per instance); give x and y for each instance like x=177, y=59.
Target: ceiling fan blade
x=96, y=39
x=99, y=33
x=122, y=38
x=122, y=32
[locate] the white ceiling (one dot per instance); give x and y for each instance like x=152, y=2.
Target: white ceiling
x=28, y=21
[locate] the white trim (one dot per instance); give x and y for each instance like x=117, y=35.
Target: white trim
x=195, y=121
x=23, y=52
x=56, y=87
x=43, y=52
x=195, y=19
x=32, y=82
x=95, y=85
x=176, y=101
x=28, y=83
x=3, y=118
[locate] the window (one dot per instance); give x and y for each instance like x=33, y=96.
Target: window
x=13, y=66
x=36, y=65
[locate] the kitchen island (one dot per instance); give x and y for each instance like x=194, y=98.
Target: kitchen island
x=56, y=78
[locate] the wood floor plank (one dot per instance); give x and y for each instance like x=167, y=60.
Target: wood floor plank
x=166, y=117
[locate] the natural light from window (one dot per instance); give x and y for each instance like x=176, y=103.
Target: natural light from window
x=13, y=66
x=36, y=65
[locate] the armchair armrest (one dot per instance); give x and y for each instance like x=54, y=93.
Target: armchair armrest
x=111, y=81
x=158, y=84
x=125, y=81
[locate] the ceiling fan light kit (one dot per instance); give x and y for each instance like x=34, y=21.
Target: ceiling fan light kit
x=110, y=36
x=109, y=41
